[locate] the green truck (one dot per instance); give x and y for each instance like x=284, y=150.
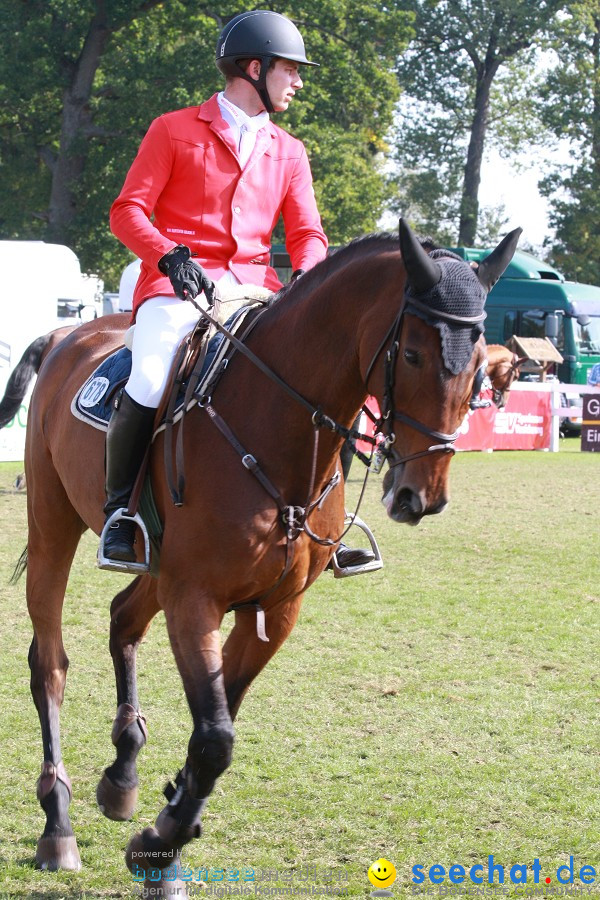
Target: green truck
x=533, y=300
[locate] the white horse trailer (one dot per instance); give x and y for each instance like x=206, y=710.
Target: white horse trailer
x=41, y=288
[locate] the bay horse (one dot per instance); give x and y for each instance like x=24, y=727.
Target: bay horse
x=503, y=369
x=365, y=320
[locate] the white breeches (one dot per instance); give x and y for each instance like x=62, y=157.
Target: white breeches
x=160, y=326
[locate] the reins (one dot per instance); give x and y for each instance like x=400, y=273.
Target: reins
x=319, y=418
x=295, y=518
x=381, y=449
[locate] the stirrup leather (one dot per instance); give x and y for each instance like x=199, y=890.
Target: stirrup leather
x=120, y=565
x=372, y=566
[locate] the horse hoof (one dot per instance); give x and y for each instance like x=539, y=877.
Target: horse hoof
x=147, y=850
x=114, y=802
x=57, y=853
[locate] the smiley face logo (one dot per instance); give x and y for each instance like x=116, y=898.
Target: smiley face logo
x=382, y=873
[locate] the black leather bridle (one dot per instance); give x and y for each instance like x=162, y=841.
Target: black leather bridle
x=389, y=414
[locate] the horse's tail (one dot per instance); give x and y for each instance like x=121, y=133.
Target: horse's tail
x=19, y=568
x=20, y=378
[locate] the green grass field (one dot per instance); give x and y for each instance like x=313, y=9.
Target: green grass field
x=440, y=711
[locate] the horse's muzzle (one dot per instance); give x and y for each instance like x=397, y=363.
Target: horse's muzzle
x=406, y=505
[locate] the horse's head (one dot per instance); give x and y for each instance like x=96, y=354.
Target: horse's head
x=435, y=352
x=503, y=369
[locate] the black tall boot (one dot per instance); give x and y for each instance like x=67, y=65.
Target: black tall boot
x=346, y=556
x=128, y=435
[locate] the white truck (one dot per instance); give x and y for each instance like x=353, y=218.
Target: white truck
x=41, y=288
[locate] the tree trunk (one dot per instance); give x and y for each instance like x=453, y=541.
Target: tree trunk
x=67, y=167
x=70, y=161
x=469, y=205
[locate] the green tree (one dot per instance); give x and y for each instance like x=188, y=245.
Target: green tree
x=570, y=106
x=80, y=81
x=467, y=80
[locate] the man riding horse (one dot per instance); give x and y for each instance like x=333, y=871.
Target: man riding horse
x=198, y=206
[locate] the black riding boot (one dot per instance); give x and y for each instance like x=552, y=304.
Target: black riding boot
x=128, y=435
x=346, y=556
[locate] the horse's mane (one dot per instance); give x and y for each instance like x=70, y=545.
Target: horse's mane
x=363, y=246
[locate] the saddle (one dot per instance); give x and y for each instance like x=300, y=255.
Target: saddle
x=93, y=401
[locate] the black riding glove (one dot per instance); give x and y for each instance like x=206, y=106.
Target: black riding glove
x=297, y=274
x=187, y=277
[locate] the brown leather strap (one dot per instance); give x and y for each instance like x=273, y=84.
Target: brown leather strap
x=50, y=774
x=126, y=716
x=193, y=380
x=175, y=388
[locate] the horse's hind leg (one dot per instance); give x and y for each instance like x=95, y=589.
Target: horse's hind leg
x=50, y=551
x=131, y=613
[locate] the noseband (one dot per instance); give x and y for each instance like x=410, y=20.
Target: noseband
x=445, y=442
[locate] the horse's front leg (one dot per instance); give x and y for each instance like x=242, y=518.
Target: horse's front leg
x=193, y=628
x=131, y=613
x=245, y=654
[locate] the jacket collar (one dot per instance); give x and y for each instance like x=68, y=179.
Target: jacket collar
x=209, y=112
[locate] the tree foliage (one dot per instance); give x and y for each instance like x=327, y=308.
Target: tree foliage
x=570, y=107
x=80, y=81
x=466, y=78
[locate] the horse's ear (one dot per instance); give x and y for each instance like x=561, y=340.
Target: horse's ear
x=491, y=268
x=423, y=272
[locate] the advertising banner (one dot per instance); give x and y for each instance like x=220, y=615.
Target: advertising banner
x=524, y=424
x=590, y=423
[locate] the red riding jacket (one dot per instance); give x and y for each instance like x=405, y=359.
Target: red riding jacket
x=186, y=186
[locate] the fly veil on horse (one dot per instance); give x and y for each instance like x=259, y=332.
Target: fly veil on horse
x=404, y=327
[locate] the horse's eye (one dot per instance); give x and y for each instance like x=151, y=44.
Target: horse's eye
x=412, y=357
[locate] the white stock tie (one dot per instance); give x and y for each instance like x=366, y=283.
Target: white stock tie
x=247, y=142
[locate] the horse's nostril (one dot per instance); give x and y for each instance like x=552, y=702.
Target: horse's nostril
x=408, y=500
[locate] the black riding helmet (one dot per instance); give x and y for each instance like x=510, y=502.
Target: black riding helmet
x=259, y=34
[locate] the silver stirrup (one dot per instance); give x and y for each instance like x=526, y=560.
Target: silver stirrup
x=121, y=565
x=372, y=566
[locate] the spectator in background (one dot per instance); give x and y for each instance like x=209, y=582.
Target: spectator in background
x=593, y=378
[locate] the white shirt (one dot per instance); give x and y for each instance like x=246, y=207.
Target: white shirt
x=243, y=126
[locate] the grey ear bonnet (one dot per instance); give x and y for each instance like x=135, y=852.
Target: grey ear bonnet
x=460, y=293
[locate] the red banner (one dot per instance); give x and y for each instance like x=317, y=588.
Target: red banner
x=525, y=423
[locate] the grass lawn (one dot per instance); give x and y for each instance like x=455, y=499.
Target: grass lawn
x=440, y=711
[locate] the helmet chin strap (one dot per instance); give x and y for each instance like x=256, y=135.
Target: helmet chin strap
x=261, y=85
x=264, y=96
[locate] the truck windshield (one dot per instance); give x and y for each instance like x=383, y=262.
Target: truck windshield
x=588, y=336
